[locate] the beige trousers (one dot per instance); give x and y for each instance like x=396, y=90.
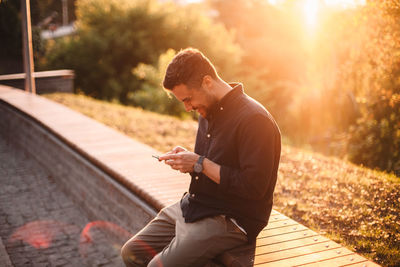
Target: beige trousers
x=168, y=241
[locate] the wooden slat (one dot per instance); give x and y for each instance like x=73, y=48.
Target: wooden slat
x=290, y=244
x=295, y=252
x=309, y=255
x=364, y=264
x=281, y=223
x=345, y=260
x=276, y=218
x=285, y=237
x=281, y=230
x=274, y=212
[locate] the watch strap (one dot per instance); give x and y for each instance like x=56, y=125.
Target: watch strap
x=198, y=166
x=200, y=160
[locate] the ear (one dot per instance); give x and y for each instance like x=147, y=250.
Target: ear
x=208, y=82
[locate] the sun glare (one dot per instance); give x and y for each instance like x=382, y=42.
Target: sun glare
x=310, y=11
x=273, y=2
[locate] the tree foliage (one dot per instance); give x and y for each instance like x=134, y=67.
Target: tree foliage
x=150, y=96
x=115, y=36
x=375, y=138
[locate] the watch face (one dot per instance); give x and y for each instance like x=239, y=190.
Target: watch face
x=197, y=167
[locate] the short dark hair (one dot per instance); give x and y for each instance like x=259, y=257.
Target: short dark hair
x=188, y=67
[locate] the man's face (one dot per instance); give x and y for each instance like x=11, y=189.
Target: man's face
x=200, y=100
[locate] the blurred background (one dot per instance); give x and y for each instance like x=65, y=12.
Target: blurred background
x=328, y=70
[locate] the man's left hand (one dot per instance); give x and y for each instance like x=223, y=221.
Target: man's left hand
x=181, y=161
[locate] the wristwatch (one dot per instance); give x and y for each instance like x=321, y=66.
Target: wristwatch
x=198, y=166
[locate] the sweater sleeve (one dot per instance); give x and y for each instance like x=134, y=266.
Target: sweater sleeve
x=257, y=147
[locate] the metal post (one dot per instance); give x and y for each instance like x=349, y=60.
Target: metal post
x=65, y=12
x=27, y=46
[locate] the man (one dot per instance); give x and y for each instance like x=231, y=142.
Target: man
x=233, y=172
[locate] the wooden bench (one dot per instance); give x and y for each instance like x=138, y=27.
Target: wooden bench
x=284, y=242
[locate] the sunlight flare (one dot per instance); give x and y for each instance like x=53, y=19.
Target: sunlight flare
x=310, y=12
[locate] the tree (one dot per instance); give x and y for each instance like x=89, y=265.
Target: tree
x=150, y=95
x=375, y=138
x=114, y=37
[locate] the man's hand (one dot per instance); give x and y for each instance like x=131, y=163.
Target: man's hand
x=180, y=159
x=176, y=149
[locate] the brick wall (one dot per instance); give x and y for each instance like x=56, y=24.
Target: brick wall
x=91, y=187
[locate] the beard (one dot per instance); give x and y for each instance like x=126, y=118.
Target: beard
x=212, y=103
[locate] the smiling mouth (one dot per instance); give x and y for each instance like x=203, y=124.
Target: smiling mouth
x=200, y=110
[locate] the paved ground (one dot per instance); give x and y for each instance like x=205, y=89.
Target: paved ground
x=41, y=226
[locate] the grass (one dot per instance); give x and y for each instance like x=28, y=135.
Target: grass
x=158, y=131
x=354, y=206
